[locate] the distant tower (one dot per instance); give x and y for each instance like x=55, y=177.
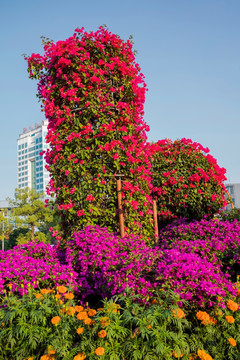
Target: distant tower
x=31, y=166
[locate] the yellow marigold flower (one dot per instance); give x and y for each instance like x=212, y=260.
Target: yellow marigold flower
x=232, y=305
x=82, y=315
x=71, y=310
x=99, y=351
x=80, y=356
x=79, y=308
x=55, y=320
x=232, y=342
x=39, y=296
x=80, y=330
x=62, y=289
x=92, y=312
x=87, y=321
x=105, y=321
x=179, y=314
x=229, y=319
x=102, y=334
x=203, y=355
x=69, y=296
x=57, y=296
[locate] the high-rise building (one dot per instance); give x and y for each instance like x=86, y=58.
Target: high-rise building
x=31, y=166
x=234, y=192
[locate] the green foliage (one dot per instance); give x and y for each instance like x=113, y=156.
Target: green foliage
x=230, y=215
x=45, y=322
x=29, y=209
x=25, y=238
x=14, y=235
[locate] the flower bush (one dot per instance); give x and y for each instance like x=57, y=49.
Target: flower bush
x=187, y=180
x=193, y=278
x=56, y=328
x=34, y=264
x=213, y=240
x=93, y=94
x=107, y=264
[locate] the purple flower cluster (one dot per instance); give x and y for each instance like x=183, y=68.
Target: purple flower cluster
x=194, y=278
x=107, y=264
x=214, y=240
x=36, y=264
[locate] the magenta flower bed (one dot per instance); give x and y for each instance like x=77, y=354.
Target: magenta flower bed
x=34, y=264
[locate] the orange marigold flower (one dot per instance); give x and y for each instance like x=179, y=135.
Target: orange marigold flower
x=176, y=355
x=44, y=357
x=102, y=334
x=87, y=321
x=149, y=327
x=99, y=351
x=192, y=356
x=82, y=315
x=91, y=312
x=100, y=309
x=218, y=312
x=57, y=296
x=154, y=301
x=238, y=292
x=202, y=315
x=232, y=342
x=229, y=319
x=71, y=310
x=232, y=305
x=80, y=330
x=80, y=356
x=79, y=308
x=62, y=289
x=55, y=320
x=45, y=291
x=211, y=320
x=60, y=302
x=69, y=296
x=203, y=355
x=105, y=321
x=179, y=314
x=51, y=352
x=39, y=296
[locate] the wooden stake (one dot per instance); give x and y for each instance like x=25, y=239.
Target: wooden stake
x=155, y=221
x=120, y=210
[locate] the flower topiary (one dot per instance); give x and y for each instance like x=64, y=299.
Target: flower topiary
x=187, y=180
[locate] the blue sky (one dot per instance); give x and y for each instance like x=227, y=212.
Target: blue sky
x=188, y=51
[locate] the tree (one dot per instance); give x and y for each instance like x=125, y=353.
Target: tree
x=93, y=95
x=187, y=180
x=5, y=228
x=29, y=209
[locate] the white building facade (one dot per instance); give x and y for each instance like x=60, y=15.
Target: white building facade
x=234, y=191
x=31, y=166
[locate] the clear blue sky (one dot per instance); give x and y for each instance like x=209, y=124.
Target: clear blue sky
x=187, y=49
